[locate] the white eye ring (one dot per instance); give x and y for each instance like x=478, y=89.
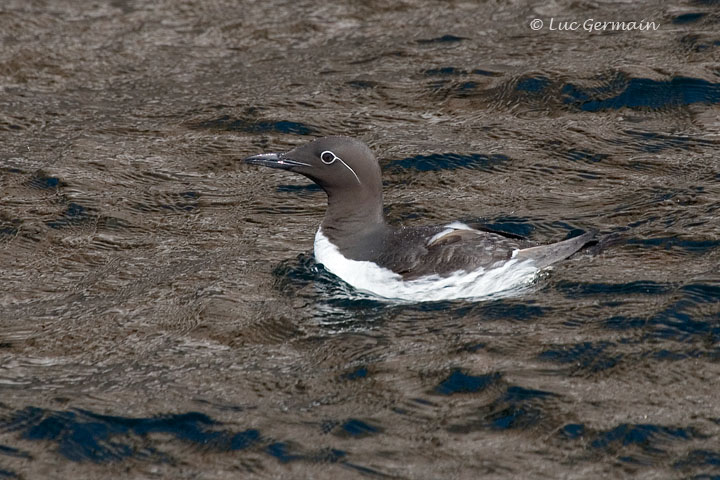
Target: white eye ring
x=332, y=160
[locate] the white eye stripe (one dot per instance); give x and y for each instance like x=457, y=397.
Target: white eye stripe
x=351, y=170
x=327, y=153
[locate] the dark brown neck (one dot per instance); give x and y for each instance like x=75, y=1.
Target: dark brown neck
x=352, y=213
x=355, y=224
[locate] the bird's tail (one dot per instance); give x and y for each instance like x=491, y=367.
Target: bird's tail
x=546, y=255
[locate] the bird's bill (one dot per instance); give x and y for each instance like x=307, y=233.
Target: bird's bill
x=274, y=160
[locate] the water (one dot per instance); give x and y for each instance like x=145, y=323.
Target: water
x=161, y=312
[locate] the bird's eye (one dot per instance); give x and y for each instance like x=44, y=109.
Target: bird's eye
x=328, y=157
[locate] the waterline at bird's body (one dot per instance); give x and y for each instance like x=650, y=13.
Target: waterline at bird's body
x=369, y=277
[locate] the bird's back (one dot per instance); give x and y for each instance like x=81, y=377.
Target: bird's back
x=415, y=252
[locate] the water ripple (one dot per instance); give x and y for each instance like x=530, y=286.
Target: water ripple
x=81, y=435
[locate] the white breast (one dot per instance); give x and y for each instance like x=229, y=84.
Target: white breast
x=369, y=277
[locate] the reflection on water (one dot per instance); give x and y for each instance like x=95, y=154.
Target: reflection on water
x=161, y=312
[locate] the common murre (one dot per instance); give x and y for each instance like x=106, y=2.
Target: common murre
x=407, y=263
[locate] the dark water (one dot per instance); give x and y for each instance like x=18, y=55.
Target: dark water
x=161, y=315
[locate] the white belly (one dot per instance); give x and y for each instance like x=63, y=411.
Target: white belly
x=369, y=277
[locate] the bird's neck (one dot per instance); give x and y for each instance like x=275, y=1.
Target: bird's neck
x=351, y=214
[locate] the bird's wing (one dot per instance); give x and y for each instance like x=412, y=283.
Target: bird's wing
x=443, y=251
x=434, y=250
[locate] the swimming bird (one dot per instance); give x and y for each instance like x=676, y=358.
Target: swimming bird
x=414, y=263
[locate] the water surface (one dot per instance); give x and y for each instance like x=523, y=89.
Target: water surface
x=161, y=314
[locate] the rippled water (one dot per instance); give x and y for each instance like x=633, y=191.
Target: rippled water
x=161, y=314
